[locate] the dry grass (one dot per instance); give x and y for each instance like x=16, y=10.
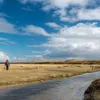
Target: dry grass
x=34, y=73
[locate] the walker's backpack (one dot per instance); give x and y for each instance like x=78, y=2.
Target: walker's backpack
x=6, y=63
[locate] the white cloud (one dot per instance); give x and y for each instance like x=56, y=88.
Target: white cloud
x=89, y=14
x=79, y=41
x=39, y=57
x=19, y=59
x=30, y=1
x=35, y=30
x=6, y=27
x=79, y=10
x=53, y=25
x=27, y=9
x=56, y=3
x=65, y=3
x=6, y=41
x=80, y=14
x=81, y=29
x=3, y=56
x=3, y=39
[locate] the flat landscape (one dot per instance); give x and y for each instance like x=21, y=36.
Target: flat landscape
x=36, y=73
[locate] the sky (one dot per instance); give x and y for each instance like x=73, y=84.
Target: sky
x=49, y=29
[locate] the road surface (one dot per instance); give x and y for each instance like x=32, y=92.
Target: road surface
x=65, y=89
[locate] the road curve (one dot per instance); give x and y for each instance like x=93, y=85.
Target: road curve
x=65, y=89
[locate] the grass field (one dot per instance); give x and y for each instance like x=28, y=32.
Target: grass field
x=35, y=73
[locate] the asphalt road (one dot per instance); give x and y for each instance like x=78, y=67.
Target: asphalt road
x=65, y=89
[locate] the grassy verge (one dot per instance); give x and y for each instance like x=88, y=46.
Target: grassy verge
x=19, y=74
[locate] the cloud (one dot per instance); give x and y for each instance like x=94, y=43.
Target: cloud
x=56, y=3
x=6, y=41
x=79, y=14
x=27, y=9
x=19, y=59
x=3, y=39
x=6, y=27
x=79, y=9
x=35, y=30
x=3, y=56
x=39, y=57
x=31, y=1
x=53, y=25
x=79, y=41
x=89, y=14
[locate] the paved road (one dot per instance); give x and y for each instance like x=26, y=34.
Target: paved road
x=65, y=89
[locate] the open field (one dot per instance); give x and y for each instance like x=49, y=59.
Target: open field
x=35, y=73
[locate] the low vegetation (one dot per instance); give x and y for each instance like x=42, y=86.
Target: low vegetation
x=35, y=73
x=71, y=61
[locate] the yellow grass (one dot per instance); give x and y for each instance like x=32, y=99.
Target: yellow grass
x=35, y=73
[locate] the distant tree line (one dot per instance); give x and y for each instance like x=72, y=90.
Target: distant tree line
x=59, y=62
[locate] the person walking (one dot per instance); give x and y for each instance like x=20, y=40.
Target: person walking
x=7, y=64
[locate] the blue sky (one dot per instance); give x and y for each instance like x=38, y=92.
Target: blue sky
x=49, y=29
